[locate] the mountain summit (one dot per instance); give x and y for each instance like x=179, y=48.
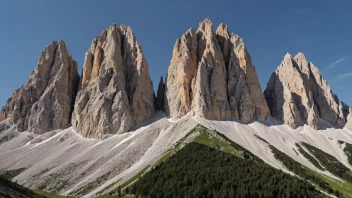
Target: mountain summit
x=116, y=92
x=45, y=103
x=212, y=75
x=297, y=94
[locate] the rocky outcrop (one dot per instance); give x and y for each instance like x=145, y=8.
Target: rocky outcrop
x=45, y=103
x=116, y=92
x=349, y=120
x=2, y=115
x=345, y=109
x=212, y=75
x=160, y=95
x=297, y=95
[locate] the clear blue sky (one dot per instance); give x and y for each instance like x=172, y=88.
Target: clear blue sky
x=321, y=29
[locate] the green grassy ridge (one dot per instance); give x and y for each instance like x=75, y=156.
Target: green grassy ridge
x=245, y=153
x=206, y=137
x=198, y=170
x=10, y=174
x=326, y=183
x=309, y=157
x=347, y=150
x=13, y=190
x=52, y=195
x=330, y=163
x=323, y=182
x=299, y=169
x=345, y=188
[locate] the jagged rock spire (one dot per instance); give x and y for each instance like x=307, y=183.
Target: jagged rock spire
x=211, y=74
x=46, y=102
x=116, y=92
x=297, y=95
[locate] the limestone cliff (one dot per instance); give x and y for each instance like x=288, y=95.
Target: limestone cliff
x=212, y=75
x=297, y=94
x=349, y=120
x=45, y=103
x=116, y=92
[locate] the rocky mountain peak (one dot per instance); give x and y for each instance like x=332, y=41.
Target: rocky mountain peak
x=297, y=95
x=116, y=91
x=287, y=56
x=223, y=30
x=45, y=103
x=206, y=27
x=302, y=63
x=211, y=74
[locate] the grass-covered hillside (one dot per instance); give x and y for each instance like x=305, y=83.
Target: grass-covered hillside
x=9, y=189
x=329, y=185
x=348, y=151
x=198, y=170
x=330, y=163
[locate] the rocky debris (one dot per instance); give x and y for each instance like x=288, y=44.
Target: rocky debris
x=211, y=74
x=297, y=94
x=45, y=103
x=160, y=95
x=116, y=92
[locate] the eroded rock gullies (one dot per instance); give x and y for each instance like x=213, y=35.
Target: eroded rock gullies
x=212, y=75
x=45, y=103
x=160, y=95
x=116, y=92
x=297, y=94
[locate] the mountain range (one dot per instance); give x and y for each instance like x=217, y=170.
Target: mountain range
x=88, y=134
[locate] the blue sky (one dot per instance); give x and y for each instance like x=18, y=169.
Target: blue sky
x=321, y=29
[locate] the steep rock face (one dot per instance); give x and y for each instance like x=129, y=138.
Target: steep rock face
x=349, y=120
x=116, y=92
x=212, y=75
x=45, y=103
x=244, y=94
x=297, y=95
x=2, y=115
x=345, y=109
